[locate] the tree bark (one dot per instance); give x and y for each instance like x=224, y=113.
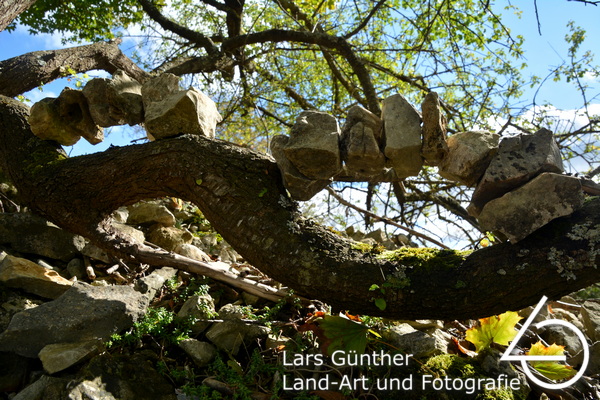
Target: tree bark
x=241, y=194
x=10, y=9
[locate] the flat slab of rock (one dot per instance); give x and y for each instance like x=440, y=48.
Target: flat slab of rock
x=469, y=155
x=522, y=211
x=59, y=356
x=23, y=274
x=402, y=131
x=518, y=160
x=202, y=353
x=313, y=146
x=84, y=312
x=434, y=148
x=361, y=143
x=299, y=186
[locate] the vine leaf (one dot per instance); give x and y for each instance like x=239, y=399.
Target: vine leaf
x=498, y=329
x=550, y=369
x=344, y=334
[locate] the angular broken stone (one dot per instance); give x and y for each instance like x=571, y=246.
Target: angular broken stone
x=526, y=209
x=434, y=147
x=83, y=312
x=170, y=111
x=361, y=143
x=59, y=356
x=518, y=160
x=402, y=131
x=65, y=119
x=299, y=186
x=23, y=274
x=313, y=146
x=116, y=101
x=469, y=155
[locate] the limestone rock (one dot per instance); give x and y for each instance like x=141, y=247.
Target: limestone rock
x=402, y=130
x=170, y=111
x=361, y=143
x=76, y=268
x=148, y=212
x=115, y=101
x=202, y=353
x=313, y=146
x=23, y=274
x=469, y=155
x=28, y=233
x=199, y=307
x=151, y=284
x=47, y=388
x=299, y=186
x=520, y=212
x=417, y=343
x=59, y=356
x=590, y=315
x=434, y=147
x=168, y=237
x=191, y=251
x=229, y=335
x=519, y=159
x=64, y=119
x=83, y=312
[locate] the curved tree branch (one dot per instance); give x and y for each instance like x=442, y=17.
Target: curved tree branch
x=28, y=71
x=10, y=9
x=241, y=193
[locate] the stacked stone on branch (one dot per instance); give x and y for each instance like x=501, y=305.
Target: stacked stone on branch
x=361, y=144
x=434, y=148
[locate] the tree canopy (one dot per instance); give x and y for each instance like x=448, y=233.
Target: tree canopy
x=263, y=62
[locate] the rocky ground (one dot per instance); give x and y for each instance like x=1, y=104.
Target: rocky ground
x=77, y=325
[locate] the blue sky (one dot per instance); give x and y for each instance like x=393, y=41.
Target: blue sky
x=543, y=53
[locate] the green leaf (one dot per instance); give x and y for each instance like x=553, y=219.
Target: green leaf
x=381, y=304
x=498, y=329
x=344, y=334
x=550, y=369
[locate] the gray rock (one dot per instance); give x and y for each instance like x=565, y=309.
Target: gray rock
x=120, y=215
x=299, y=186
x=28, y=233
x=13, y=372
x=191, y=251
x=148, y=212
x=231, y=334
x=115, y=101
x=95, y=253
x=198, y=307
x=151, y=284
x=522, y=211
x=402, y=130
x=170, y=111
x=417, y=343
x=47, y=388
x=84, y=312
x=313, y=146
x=560, y=335
x=361, y=143
x=434, y=148
x=59, y=356
x=518, y=160
x=65, y=119
x=590, y=316
x=23, y=274
x=12, y=303
x=201, y=353
x=169, y=238
x=469, y=155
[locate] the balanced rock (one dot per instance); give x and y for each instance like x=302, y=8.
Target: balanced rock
x=402, y=131
x=64, y=119
x=434, y=147
x=23, y=274
x=520, y=212
x=469, y=155
x=361, y=143
x=83, y=312
x=116, y=101
x=519, y=159
x=170, y=111
x=299, y=186
x=313, y=146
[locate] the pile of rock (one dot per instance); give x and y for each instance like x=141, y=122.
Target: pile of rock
x=164, y=108
x=518, y=181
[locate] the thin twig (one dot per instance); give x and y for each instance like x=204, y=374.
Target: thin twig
x=385, y=219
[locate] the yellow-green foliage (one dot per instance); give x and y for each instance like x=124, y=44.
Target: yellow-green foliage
x=426, y=257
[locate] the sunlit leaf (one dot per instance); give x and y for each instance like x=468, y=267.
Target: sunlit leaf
x=550, y=369
x=497, y=329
